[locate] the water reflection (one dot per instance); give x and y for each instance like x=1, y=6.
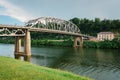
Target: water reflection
x=100, y=64
x=95, y=63
x=46, y=56
x=7, y=50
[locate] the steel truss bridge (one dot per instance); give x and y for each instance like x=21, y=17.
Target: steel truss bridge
x=43, y=24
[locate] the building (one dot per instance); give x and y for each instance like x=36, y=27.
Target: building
x=117, y=35
x=101, y=36
x=93, y=39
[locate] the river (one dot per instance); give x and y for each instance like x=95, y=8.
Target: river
x=99, y=64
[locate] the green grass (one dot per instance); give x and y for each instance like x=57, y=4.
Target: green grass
x=11, y=69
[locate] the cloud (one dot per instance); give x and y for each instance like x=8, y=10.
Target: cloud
x=14, y=11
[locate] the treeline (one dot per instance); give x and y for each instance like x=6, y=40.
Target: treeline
x=65, y=43
x=39, y=42
x=45, y=36
x=92, y=27
x=7, y=41
x=114, y=44
x=86, y=26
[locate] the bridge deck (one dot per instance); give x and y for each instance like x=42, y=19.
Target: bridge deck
x=38, y=30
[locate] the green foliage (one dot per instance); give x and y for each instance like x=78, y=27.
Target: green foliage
x=86, y=26
x=114, y=44
x=65, y=43
x=88, y=44
x=43, y=42
x=12, y=69
x=37, y=35
x=7, y=41
x=92, y=27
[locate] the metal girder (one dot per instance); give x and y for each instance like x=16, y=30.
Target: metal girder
x=69, y=29
x=11, y=32
x=53, y=24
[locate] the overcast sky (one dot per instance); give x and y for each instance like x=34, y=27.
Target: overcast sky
x=24, y=10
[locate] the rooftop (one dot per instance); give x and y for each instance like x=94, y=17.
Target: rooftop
x=105, y=33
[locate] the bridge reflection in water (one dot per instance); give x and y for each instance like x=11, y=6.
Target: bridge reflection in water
x=43, y=24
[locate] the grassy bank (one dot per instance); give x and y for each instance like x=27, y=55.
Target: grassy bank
x=11, y=69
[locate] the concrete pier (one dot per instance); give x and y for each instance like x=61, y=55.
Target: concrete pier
x=27, y=46
x=17, y=47
x=26, y=54
x=78, y=42
x=23, y=32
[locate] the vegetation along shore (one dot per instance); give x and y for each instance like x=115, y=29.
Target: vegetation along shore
x=114, y=44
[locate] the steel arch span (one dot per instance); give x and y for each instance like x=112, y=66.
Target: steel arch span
x=53, y=24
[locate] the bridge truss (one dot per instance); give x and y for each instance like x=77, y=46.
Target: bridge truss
x=53, y=24
x=11, y=30
x=43, y=24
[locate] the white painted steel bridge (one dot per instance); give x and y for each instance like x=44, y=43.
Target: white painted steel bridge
x=43, y=24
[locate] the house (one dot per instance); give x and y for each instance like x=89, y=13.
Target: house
x=101, y=36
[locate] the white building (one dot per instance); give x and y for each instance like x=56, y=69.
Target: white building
x=101, y=36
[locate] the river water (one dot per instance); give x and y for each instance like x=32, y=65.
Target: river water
x=99, y=64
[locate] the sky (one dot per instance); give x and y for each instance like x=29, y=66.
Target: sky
x=21, y=11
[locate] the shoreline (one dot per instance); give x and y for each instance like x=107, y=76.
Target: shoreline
x=20, y=70
x=114, y=44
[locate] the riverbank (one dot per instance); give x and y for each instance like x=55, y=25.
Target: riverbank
x=114, y=44
x=12, y=69
x=35, y=42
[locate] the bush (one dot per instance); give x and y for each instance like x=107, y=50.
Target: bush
x=114, y=44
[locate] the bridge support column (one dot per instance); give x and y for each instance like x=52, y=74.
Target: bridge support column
x=27, y=47
x=17, y=47
x=78, y=42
